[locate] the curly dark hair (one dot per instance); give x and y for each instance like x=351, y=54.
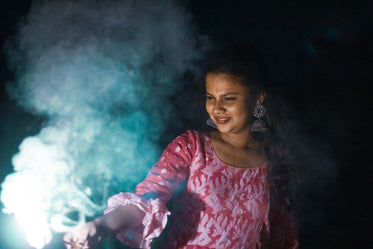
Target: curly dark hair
x=239, y=60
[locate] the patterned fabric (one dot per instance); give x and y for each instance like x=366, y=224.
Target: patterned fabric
x=153, y=223
x=222, y=206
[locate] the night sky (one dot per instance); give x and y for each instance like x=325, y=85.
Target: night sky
x=320, y=57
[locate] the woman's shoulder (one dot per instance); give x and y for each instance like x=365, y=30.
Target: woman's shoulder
x=191, y=139
x=193, y=135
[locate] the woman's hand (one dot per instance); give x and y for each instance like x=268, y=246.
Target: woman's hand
x=84, y=237
x=91, y=233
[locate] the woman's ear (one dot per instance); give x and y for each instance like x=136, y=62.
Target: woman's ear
x=261, y=98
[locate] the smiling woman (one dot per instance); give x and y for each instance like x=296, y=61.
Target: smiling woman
x=237, y=101
x=229, y=198
x=228, y=103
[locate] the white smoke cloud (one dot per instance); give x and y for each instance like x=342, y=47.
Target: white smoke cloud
x=101, y=73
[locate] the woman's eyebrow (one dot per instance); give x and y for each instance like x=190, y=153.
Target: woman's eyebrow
x=231, y=93
x=225, y=94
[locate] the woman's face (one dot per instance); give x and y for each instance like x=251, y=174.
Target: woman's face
x=227, y=103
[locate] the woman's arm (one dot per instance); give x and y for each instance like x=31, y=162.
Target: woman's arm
x=91, y=233
x=146, y=206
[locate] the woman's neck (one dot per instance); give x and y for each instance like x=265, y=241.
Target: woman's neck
x=242, y=140
x=239, y=150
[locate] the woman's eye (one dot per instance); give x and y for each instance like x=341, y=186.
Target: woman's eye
x=209, y=97
x=229, y=98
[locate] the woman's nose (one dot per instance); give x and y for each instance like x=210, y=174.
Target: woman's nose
x=218, y=107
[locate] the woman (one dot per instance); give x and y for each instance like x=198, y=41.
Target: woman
x=228, y=200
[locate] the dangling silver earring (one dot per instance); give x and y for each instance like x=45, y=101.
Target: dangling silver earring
x=259, y=125
x=211, y=123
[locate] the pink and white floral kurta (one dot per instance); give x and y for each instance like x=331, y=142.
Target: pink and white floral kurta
x=235, y=201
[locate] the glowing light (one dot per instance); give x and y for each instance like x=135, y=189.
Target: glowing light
x=37, y=229
x=11, y=233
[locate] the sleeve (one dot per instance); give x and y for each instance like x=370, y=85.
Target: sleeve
x=155, y=191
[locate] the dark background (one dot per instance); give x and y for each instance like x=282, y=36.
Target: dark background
x=320, y=53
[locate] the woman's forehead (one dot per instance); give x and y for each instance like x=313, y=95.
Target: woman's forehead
x=224, y=82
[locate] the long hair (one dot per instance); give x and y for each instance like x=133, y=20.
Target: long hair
x=246, y=63
x=282, y=175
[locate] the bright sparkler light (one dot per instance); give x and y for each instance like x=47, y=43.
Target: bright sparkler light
x=36, y=227
x=27, y=192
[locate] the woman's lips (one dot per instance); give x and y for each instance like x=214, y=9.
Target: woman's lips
x=221, y=120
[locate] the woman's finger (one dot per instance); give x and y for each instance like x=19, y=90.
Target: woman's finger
x=72, y=241
x=68, y=245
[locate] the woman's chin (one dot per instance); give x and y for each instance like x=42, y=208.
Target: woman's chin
x=227, y=129
x=223, y=128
